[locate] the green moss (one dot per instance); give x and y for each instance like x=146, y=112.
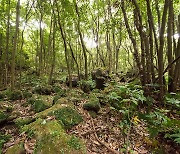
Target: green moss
x=23, y=121
x=16, y=149
x=69, y=117
x=63, y=101
x=40, y=102
x=92, y=105
x=43, y=90
x=75, y=143
x=49, y=111
x=51, y=138
x=37, y=104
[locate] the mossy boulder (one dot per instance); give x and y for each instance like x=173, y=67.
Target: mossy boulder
x=92, y=105
x=43, y=90
x=87, y=86
x=51, y=138
x=16, y=149
x=20, y=122
x=63, y=100
x=69, y=116
x=40, y=103
x=59, y=95
x=50, y=111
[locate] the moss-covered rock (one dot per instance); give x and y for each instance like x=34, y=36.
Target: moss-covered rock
x=69, y=116
x=40, y=102
x=37, y=105
x=51, y=138
x=49, y=111
x=23, y=121
x=64, y=100
x=92, y=105
x=87, y=86
x=16, y=149
x=43, y=90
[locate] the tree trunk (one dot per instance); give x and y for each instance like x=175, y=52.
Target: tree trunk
x=54, y=52
x=15, y=43
x=65, y=45
x=161, y=49
x=169, y=44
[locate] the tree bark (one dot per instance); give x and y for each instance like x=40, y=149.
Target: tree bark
x=161, y=49
x=15, y=46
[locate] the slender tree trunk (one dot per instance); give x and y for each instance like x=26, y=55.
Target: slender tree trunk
x=41, y=45
x=65, y=44
x=136, y=54
x=15, y=46
x=161, y=49
x=176, y=76
x=7, y=46
x=54, y=52
x=77, y=65
x=169, y=43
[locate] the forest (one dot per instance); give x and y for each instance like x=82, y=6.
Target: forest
x=89, y=76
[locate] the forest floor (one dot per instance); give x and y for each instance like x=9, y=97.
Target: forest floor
x=101, y=133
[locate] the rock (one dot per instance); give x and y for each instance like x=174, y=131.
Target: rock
x=69, y=116
x=75, y=80
x=43, y=90
x=20, y=122
x=87, y=86
x=100, y=76
x=61, y=93
x=51, y=138
x=63, y=100
x=100, y=82
x=92, y=105
x=40, y=102
x=16, y=149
